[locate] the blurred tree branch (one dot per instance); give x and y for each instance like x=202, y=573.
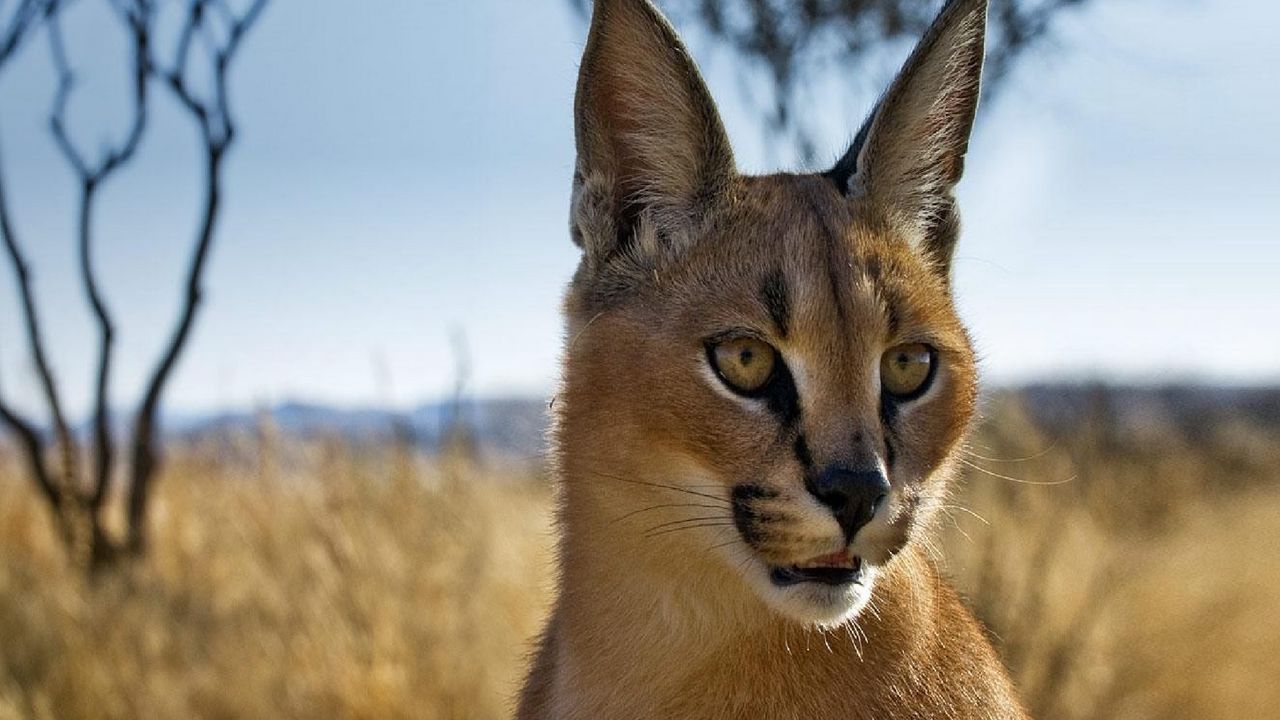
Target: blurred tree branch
x=91, y=178
x=217, y=129
x=789, y=39
x=53, y=485
x=211, y=27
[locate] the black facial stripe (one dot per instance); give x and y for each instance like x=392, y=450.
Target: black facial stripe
x=834, y=278
x=888, y=419
x=782, y=399
x=802, y=453
x=871, y=266
x=747, y=519
x=888, y=410
x=893, y=304
x=774, y=294
x=873, y=272
x=894, y=321
x=833, y=259
x=746, y=493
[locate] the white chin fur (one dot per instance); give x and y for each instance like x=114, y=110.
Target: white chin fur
x=814, y=604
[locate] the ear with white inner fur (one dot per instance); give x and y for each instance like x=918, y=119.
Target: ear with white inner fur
x=910, y=153
x=652, y=152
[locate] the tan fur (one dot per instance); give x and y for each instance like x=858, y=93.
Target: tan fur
x=664, y=608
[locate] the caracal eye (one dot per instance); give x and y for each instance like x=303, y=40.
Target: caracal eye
x=745, y=364
x=905, y=370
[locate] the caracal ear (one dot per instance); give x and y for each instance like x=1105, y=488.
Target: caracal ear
x=909, y=155
x=653, y=156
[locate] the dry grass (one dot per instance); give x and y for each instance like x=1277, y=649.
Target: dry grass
x=371, y=585
x=361, y=591
x=1139, y=578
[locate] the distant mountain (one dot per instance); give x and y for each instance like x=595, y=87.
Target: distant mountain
x=1190, y=409
x=515, y=426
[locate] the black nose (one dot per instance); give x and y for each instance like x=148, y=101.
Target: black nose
x=853, y=495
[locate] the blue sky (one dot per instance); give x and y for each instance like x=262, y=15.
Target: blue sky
x=403, y=172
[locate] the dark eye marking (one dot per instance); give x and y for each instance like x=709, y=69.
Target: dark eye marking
x=803, y=456
x=889, y=420
x=779, y=391
x=782, y=398
x=774, y=294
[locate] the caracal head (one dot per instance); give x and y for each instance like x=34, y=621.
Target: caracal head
x=765, y=374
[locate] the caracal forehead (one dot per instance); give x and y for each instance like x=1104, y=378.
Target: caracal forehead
x=792, y=254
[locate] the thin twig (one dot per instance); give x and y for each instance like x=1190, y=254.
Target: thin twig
x=137, y=18
x=20, y=22
x=18, y=28
x=35, y=341
x=213, y=117
x=33, y=447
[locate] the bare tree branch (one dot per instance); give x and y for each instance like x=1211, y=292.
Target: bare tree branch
x=27, y=433
x=55, y=488
x=136, y=17
x=65, y=83
x=217, y=129
x=35, y=341
x=20, y=21
x=33, y=446
x=34, y=450
x=213, y=27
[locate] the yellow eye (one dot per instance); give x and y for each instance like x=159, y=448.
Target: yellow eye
x=905, y=370
x=745, y=364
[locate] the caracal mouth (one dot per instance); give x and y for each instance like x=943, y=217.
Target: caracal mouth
x=833, y=569
x=824, y=591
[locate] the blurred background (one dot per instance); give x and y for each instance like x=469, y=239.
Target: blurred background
x=279, y=326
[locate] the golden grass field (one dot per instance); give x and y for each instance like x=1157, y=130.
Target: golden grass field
x=1126, y=569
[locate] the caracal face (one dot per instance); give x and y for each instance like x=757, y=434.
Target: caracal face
x=773, y=365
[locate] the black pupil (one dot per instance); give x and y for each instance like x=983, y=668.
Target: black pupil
x=745, y=357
